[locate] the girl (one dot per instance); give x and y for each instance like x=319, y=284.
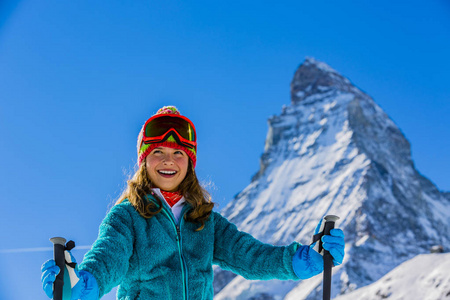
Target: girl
x=162, y=237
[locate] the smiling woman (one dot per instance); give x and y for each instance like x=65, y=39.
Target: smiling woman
x=167, y=150
x=162, y=238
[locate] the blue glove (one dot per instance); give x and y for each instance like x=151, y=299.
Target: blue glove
x=307, y=262
x=77, y=284
x=334, y=243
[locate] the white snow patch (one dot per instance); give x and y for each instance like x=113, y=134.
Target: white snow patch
x=361, y=241
x=300, y=94
x=242, y=289
x=425, y=277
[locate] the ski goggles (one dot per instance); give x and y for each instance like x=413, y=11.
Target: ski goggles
x=160, y=127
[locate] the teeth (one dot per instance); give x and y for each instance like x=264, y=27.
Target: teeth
x=167, y=172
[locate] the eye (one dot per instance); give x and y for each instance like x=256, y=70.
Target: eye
x=179, y=152
x=155, y=151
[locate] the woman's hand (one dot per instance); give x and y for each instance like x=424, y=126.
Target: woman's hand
x=84, y=285
x=307, y=262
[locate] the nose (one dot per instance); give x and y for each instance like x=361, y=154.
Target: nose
x=168, y=159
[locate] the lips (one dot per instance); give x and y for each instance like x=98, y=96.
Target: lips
x=167, y=173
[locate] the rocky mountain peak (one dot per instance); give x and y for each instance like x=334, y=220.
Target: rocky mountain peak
x=315, y=77
x=335, y=151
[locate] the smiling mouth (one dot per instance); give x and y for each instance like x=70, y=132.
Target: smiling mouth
x=167, y=173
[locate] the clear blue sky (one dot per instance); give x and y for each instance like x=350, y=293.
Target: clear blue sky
x=79, y=78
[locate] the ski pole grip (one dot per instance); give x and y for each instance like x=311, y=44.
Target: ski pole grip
x=329, y=223
x=58, y=254
x=327, y=258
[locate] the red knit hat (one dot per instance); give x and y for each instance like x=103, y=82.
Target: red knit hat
x=145, y=149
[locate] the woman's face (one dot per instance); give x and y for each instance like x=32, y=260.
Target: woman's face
x=167, y=167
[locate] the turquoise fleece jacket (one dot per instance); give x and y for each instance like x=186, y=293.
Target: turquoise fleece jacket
x=158, y=259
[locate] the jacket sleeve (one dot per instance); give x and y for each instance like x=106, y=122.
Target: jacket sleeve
x=242, y=254
x=108, y=259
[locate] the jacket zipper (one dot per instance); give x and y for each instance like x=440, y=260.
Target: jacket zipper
x=180, y=251
x=184, y=268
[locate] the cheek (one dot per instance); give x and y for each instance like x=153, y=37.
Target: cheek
x=183, y=164
x=150, y=165
x=152, y=161
x=149, y=170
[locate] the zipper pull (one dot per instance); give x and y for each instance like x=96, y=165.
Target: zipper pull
x=178, y=232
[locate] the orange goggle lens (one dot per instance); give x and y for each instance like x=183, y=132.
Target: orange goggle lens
x=160, y=127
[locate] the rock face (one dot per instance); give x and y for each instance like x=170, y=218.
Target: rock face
x=334, y=151
x=314, y=77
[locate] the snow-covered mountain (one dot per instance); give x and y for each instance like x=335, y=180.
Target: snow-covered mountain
x=334, y=151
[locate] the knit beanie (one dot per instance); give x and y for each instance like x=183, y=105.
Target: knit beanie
x=145, y=149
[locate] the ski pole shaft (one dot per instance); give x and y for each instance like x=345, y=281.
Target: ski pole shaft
x=327, y=258
x=58, y=254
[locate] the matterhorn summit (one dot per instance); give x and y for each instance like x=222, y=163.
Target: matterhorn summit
x=334, y=151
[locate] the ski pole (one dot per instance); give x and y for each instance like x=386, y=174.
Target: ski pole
x=327, y=258
x=58, y=254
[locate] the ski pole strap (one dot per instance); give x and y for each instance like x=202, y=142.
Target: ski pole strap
x=69, y=246
x=318, y=237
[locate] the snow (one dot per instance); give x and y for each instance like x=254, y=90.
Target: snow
x=439, y=208
x=425, y=277
x=320, y=65
x=304, y=288
x=300, y=94
x=241, y=289
x=361, y=240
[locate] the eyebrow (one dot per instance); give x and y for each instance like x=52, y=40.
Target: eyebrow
x=161, y=147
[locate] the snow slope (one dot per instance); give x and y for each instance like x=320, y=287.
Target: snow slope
x=425, y=277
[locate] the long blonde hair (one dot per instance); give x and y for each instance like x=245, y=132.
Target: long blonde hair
x=139, y=186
